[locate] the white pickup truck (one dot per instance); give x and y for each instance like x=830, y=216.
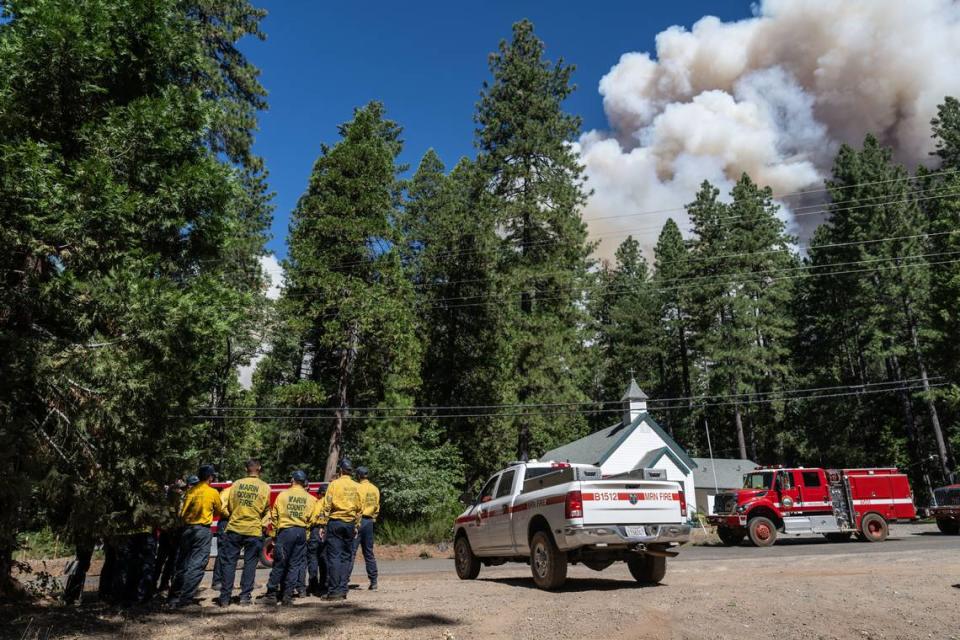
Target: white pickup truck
x=549, y=514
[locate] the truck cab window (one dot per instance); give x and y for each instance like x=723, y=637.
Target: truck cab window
x=760, y=480
x=811, y=479
x=784, y=480
x=506, y=484
x=487, y=491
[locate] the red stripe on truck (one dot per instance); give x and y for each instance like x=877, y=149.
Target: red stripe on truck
x=610, y=496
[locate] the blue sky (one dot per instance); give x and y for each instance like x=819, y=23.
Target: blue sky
x=425, y=61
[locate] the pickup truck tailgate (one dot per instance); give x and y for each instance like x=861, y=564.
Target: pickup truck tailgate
x=630, y=502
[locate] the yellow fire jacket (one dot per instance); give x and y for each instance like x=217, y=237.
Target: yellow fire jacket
x=342, y=502
x=247, y=505
x=294, y=507
x=201, y=503
x=369, y=498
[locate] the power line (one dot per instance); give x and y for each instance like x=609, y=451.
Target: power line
x=728, y=282
x=572, y=403
x=828, y=208
x=684, y=407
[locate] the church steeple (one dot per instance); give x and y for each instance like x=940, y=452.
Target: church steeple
x=634, y=402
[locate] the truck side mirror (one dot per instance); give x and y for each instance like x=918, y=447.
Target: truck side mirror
x=486, y=499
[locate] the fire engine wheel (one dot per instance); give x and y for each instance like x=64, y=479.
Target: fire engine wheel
x=762, y=531
x=731, y=537
x=266, y=553
x=949, y=527
x=873, y=528
x=547, y=563
x=468, y=565
x=647, y=569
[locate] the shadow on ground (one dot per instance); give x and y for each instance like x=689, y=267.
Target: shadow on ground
x=575, y=585
x=33, y=622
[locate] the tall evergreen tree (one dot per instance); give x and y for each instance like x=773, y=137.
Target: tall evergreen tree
x=535, y=194
x=941, y=202
x=347, y=295
x=133, y=214
x=453, y=241
x=674, y=309
x=629, y=330
x=876, y=254
x=743, y=291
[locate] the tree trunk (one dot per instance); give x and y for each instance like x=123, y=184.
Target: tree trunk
x=942, y=450
x=685, y=362
x=10, y=588
x=345, y=368
x=741, y=441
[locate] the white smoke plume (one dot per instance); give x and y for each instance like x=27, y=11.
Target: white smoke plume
x=774, y=96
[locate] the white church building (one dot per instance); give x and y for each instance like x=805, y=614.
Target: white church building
x=635, y=442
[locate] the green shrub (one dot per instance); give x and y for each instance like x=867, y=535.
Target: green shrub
x=43, y=544
x=433, y=530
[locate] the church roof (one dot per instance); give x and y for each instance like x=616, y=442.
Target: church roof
x=600, y=445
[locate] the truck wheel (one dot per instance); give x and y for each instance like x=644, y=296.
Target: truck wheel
x=873, y=528
x=266, y=553
x=547, y=563
x=949, y=527
x=837, y=537
x=468, y=565
x=731, y=537
x=762, y=531
x=647, y=569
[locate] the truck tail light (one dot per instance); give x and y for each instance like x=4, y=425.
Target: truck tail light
x=683, y=502
x=573, y=506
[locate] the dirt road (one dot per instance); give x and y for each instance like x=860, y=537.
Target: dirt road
x=895, y=590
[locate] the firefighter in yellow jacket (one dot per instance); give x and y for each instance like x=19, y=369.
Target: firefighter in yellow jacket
x=370, y=499
x=200, y=506
x=247, y=506
x=340, y=513
x=294, y=511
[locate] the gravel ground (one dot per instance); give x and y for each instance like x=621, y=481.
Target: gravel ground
x=901, y=593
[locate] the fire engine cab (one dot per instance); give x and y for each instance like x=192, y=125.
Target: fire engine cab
x=802, y=501
x=317, y=489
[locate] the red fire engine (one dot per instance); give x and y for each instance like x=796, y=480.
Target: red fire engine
x=318, y=489
x=947, y=509
x=834, y=502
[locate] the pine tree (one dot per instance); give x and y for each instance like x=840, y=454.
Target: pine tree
x=347, y=295
x=672, y=267
x=453, y=244
x=629, y=329
x=742, y=289
x=132, y=221
x=535, y=193
x=878, y=237
x=940, y=200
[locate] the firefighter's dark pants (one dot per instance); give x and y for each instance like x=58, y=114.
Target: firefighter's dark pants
x=317, y=561
x=289, y=555
x=192, y=560
x=141, y=555
x=231, y=544
x=78, y=576
x=167, y=550
x=339, y=543
x=365, y=540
